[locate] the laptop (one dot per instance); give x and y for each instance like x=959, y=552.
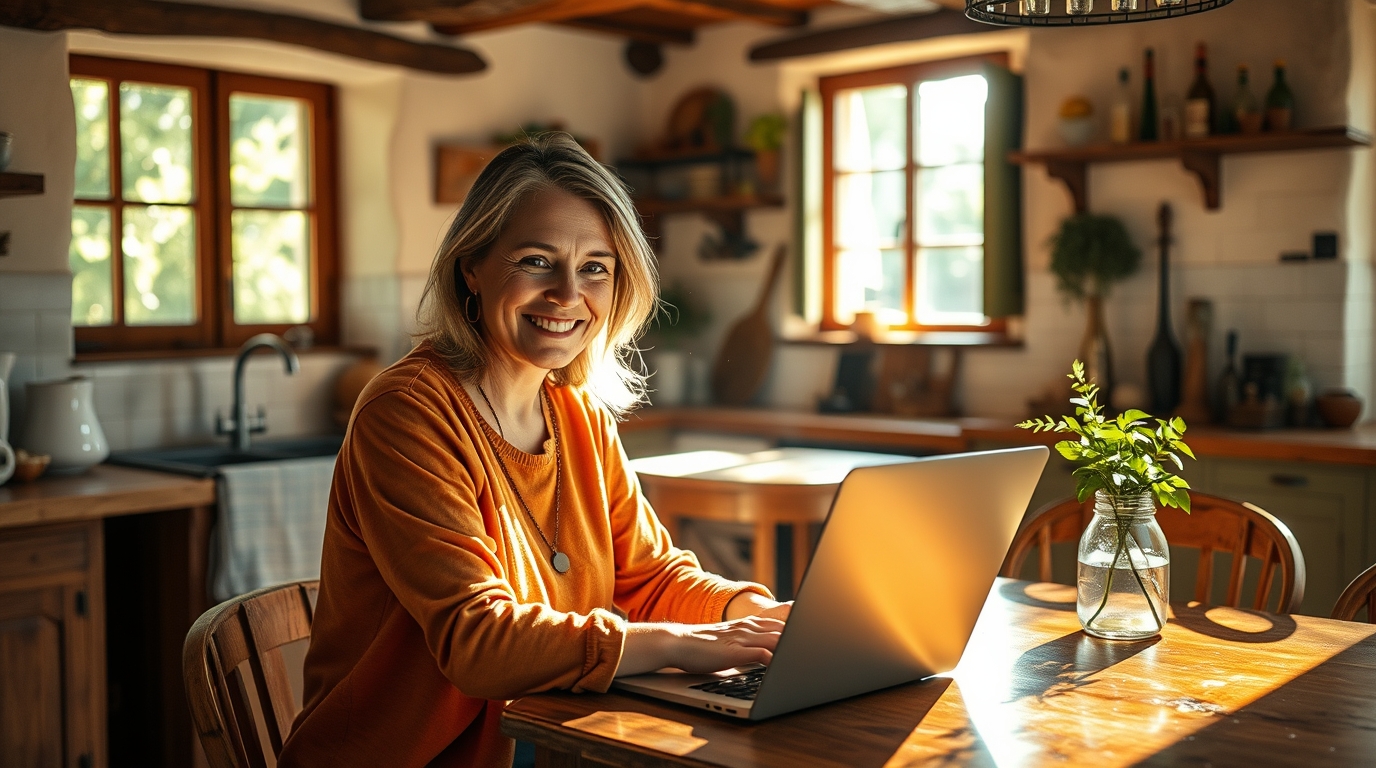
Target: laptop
x=906, y=559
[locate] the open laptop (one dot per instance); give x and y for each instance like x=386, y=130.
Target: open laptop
x=902, y=570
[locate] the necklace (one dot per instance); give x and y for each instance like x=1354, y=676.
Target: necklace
x=559, y=560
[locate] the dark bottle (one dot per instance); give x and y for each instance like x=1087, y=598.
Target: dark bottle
x=1229, y=383
x=1147, y=132
x=1199, y=102
x=1280, y=102
x=1163, y=358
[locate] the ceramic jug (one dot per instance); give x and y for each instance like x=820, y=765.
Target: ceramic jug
x=62, y=422
x=7, y=463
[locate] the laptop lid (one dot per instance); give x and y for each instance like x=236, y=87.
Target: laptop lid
x=900, y=575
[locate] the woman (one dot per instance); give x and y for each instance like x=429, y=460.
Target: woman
x=485, y=538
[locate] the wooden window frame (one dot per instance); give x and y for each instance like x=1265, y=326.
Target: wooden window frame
x=214, y=290
x=908, y=76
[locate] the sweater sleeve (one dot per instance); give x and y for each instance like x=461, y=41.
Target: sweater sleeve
x=414, y=505
x=656, y=581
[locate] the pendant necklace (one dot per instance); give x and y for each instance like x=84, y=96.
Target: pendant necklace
x=558, y=559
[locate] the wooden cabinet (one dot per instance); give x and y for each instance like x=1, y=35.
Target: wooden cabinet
x=52, y=647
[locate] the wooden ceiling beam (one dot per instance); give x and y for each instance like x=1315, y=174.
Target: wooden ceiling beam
x=747, y=9
x=646, y=33
x=155, y=17
x=894, y=29
x=488, y=14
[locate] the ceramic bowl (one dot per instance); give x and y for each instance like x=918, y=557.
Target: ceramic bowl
x=30, y=466
x=1076, y=131
x=1339, y=408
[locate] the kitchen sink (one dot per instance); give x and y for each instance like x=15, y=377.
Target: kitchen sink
x=206, y=460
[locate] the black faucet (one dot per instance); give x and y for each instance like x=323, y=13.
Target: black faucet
x=240, y=424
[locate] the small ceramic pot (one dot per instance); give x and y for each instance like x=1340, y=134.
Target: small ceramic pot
x=1076, y=131
x=61, y=422
x=1339, y=407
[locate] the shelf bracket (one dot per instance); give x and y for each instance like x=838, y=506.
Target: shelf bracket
x=1205, y=166
x=1076, y=179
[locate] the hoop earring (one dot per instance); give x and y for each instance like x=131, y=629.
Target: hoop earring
x=472, y=316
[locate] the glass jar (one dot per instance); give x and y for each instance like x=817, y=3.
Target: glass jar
x=1124, y=569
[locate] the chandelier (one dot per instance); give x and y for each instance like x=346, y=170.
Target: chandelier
x=1074, y=13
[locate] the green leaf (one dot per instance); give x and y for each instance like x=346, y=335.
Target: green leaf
x=1182, y=499
x=1185, y=449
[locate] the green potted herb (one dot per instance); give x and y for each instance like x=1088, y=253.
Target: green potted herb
x=680, y=318
x=765, y=135
x=1088, y=255
x=1128, y=466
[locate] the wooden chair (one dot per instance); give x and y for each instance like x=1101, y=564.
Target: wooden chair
x=1361, y=593
x=1216, y=524
x=250, y=628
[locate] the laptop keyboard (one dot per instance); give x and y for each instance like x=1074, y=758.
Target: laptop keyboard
x=742, y=686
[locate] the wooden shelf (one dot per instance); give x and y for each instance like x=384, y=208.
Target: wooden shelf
x=1198, y=156
x=725, y=203
x=17, y=184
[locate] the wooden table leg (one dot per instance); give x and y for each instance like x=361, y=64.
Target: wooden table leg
x=762, y=554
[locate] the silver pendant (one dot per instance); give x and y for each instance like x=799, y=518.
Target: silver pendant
x=561, y=562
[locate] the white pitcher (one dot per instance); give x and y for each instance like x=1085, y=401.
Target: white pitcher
x=61, y=421
x=7, y=462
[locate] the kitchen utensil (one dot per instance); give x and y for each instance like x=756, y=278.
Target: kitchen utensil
x=62, y=423
x=1194, y=407
x=1339, y=407
x=1163, y=358
x=744, y=357
x=30, y=466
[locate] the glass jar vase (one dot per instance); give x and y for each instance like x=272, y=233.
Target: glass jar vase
x=1124, y=578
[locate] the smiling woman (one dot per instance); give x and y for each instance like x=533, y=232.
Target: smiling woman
x=485, y=537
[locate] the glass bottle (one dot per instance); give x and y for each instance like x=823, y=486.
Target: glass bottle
x=1280, y=102
x=1148, y=130
x=1246, y=110
x=1120, y=113
x=1199, y=102
x=1124, y=578
x=1036, y=7
x=1079, y=7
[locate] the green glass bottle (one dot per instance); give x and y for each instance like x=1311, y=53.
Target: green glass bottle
x=1147, y=132
x=1280, y=102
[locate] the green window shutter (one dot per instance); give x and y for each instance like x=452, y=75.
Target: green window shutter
x=1003, y=262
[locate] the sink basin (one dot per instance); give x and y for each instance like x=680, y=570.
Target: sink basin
x=206, y=460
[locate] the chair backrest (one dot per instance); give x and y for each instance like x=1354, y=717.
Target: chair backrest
x=250, y=628
x=1361, y=593
x=1215, y=524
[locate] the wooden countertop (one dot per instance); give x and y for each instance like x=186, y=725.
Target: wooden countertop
x=1332, y=446
x=102, y=491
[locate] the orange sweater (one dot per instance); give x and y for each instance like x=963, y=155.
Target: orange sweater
x=438, y=602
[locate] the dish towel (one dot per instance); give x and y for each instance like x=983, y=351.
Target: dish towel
x=271, y=527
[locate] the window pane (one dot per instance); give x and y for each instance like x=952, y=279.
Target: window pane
x=91, y=99
x=271, y=267
x=269, y=151
x=93, y=295
x=950, y=286
x=155, y=143
x=950, y=205
x=871, y=128
x=872, y=280
x=159, y=265
x=870, y=210
x=950, y=120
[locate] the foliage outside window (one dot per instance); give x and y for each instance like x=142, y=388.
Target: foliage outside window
x=204, y=208
x=903, y=196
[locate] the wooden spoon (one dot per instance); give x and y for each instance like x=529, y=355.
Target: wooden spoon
x=744, y=357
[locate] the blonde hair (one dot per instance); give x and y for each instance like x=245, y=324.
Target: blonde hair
x=550, y=160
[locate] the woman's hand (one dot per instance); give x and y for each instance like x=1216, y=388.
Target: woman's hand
x=699, y=647
x=755, y=604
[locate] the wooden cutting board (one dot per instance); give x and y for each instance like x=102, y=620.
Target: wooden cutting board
x=744, y=357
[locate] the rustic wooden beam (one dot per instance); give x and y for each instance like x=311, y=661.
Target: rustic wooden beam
x=894, y=29
x=492, y=14
x=156, y=17
x=646, y=33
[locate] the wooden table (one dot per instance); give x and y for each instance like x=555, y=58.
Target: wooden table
x=1219, y=686
x=792, y=486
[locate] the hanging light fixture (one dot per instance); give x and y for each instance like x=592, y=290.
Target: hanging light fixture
x=1075, y=13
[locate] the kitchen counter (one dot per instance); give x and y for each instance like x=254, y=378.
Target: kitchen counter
x=102, y=491
x=1332, y=446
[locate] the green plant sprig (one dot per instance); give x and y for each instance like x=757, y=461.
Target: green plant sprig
x=1122, y=456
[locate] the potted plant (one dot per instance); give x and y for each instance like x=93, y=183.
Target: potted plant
x=1088, y=254
x=765, y=135
x=1128, y=466
x=680, y=318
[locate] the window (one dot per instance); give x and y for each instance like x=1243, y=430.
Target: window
x=204, y=207
x=903, y=196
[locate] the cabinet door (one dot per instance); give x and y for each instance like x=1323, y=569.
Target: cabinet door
x=31, y=694
x=1323, y=506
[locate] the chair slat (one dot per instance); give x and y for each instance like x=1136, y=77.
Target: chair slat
x=1268, y=563
x=1204, y=576
x=1044, y=554
x=1238, y=570
x=243, y=715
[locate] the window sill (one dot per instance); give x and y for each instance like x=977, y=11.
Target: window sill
x=87, y=358
x=906, y=339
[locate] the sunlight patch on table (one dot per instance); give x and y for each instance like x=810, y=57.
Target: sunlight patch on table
x=640, y=729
